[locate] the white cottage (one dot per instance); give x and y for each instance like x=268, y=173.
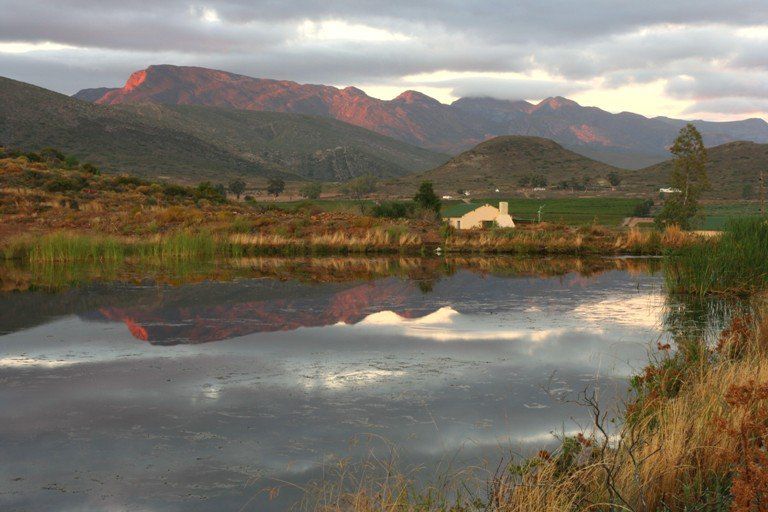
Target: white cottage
x=469, y=216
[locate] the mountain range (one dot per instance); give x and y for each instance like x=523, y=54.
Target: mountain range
x=195, y=143
x=624, y=139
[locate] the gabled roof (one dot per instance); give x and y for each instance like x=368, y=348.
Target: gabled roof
x=461, y=209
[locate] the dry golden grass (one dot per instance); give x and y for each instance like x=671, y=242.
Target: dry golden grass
x=370, y=239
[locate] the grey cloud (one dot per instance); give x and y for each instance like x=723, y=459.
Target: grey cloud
x=510, y=89
x=712, y=85
x=622, y=43
x=729, y=106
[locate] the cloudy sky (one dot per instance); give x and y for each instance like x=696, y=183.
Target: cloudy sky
x=685, y=58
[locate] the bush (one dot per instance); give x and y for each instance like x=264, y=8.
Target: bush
x=126, y=179
x=71, y=162
x=65, y=184
x=90, y=169
x=209, y=192
x=643, y=209
x=52, y=154
x=393, y=209
x=172, y=190
x=311, y=190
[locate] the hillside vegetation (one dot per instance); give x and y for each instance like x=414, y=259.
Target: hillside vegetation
x=503, y=161
x=55, y=208
x=199, y=143
x=733, y=170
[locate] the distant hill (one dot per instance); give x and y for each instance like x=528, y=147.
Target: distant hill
x=730, y=167
x=196, y=143
x=502, y=161
x=626, y=139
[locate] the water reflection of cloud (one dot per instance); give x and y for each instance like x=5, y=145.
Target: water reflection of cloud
x=23, y=361
x=447, y=324
x=641, y=310
x=351, y=379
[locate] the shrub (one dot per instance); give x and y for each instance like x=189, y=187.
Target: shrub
x=393, y=209
x=208, y=192
x=71, y=162
x=90, y=169
x=643, y=209
x=311, y=190
x=126, y=179
x=65, y=184
x=172, y=190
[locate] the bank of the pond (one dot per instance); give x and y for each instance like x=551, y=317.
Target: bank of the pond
x=691, y=438
x=69, y=245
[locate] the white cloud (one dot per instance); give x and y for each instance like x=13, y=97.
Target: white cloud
x=340, y=30
x=22, y=47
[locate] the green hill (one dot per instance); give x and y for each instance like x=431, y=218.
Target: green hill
x=502, y=162
x=196, y=143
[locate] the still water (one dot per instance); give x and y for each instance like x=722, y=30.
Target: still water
x=137, y=393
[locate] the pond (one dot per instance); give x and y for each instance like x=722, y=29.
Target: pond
x=135, y=389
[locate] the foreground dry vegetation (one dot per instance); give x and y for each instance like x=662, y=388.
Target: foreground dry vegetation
x=56, y=209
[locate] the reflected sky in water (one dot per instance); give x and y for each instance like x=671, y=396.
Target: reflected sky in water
x=195, y=397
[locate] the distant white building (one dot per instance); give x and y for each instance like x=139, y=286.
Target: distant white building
x=447, y=197
x=470, y=216
x=670, y=190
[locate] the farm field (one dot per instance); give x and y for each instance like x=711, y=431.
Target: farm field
x=718, y=214
x=574, y=211
x=608, y=211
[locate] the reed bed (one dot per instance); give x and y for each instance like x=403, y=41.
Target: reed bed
x=372, y=240
x=65, y=247
x=736, y=262
x=183, y=245
x=520, y=241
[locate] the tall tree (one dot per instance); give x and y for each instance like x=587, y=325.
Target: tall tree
x=311, y=190
x=689, y=179
x=275, y=186
x=426, y=197
x=237, y=187
x=360, y=187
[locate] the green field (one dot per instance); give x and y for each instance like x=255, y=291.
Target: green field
x=608, y=211
x=716, y=216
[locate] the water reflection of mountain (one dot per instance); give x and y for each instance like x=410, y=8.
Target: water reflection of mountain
x=269, y=294
x=216, y=311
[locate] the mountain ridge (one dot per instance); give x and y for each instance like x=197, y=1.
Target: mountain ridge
x=192, y=142
x=418, y=119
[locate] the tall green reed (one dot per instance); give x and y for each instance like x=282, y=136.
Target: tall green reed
x=736, y=262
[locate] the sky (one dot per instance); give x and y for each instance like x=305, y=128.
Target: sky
x=681, y=58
